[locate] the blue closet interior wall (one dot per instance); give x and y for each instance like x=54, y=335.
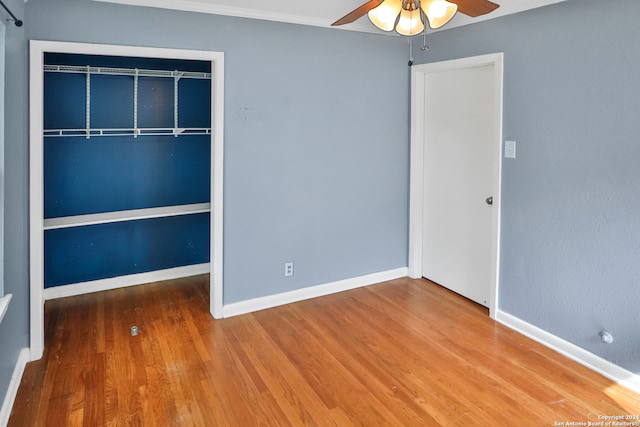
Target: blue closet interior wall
x=118, y=173
x=92, y=252
x=107, y=174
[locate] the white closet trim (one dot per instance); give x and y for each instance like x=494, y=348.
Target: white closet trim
x=36, y=185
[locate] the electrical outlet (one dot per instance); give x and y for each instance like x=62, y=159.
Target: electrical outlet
x=288, y=269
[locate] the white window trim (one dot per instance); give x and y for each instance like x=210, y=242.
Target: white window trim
x=4, y=302
x=4, y=305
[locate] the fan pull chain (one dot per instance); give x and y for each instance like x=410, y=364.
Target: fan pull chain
x=424, y=46
x=410, y=40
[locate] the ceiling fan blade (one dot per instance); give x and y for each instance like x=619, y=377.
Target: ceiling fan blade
x=357, y=13
x=475, y=8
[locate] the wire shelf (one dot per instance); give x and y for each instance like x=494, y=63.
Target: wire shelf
x=89, y=132
x=135, y=132
x=84, y=69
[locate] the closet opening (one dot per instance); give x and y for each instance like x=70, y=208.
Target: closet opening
x=125, y=170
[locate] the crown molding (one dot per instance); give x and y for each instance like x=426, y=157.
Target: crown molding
x=242, y=12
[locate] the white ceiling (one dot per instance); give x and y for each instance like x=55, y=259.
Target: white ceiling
x=319, y=13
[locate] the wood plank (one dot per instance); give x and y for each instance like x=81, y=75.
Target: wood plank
x=404, y=352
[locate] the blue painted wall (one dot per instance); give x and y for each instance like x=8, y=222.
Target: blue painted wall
x=570, y=246
x=93, y=252
x=106, y=174
x=117, y=173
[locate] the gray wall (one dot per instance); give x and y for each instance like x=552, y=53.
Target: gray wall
x=570, y=229
x=14, y=329
x=313, y=174
x=316, y=176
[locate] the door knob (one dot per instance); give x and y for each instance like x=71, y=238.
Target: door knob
x=489, y=200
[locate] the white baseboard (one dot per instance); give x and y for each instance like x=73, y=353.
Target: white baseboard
x=124, y=281
x=256, y=304
x=12, y=391
x=595, y=363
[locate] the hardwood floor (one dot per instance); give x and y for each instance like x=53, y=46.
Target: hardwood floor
x=401, y=353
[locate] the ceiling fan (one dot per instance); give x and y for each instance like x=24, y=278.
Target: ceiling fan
x=384, y=13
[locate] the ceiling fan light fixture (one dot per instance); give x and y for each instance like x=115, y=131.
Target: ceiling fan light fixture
x=384, y=16
x=410, y=23
x=438, y=12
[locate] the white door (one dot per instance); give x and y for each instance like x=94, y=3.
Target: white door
x=461, y=180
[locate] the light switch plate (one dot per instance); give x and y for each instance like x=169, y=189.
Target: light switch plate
x=510, y=149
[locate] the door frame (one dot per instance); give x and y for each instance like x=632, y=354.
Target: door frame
x=36, y=185
x=416, y=194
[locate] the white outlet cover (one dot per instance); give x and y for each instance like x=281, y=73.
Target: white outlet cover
x=288, y=269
